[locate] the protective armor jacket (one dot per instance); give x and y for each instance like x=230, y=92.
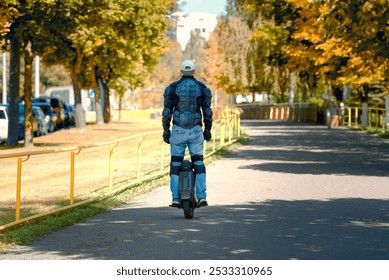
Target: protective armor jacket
x=187, y=101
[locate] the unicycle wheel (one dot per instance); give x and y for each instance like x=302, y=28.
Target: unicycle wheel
x=188, y=209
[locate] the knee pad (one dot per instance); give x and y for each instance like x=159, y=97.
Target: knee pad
x=198, y=164
x=175, y=165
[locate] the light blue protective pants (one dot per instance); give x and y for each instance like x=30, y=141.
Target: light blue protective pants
x=192, y=138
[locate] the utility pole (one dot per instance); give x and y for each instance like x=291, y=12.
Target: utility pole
x=4, y=78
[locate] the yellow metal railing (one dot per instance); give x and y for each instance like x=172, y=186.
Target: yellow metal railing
x=225, y=130
x=352, y=117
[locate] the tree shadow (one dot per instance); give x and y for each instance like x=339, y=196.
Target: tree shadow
x=336, y=229
x=340, y=229
x=308, y=149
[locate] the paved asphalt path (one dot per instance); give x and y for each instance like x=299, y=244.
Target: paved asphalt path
x=294, y=191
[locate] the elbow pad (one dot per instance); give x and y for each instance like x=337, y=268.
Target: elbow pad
x=208, y=118
x=166, y=118
x=167, y=110
x=207, y=111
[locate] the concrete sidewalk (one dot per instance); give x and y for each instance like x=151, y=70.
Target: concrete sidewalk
x=293, y=192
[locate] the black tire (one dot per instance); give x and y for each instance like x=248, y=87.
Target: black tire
x=188, y=209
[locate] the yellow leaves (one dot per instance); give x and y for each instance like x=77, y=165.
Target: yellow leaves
x=324, y=9
x=298, y=3
x=334, y=47
x=260, y=34
x=308, y=34
x=48, y=1
x=99, y=42
x=4, y=27
x=294, y=52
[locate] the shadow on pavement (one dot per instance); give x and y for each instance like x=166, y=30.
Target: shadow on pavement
x=305, y=149
x=332, y=229
x=342, y=229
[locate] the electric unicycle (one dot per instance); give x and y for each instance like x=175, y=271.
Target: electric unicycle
x=187, y=182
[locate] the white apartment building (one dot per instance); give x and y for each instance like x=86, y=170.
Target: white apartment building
x=204, y=23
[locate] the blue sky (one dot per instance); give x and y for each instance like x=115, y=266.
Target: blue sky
x=208, y=6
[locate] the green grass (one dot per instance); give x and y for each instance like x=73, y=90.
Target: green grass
x=371, y=130
x=28, y=232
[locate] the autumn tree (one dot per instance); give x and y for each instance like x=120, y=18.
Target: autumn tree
x=167, y=69
x=333, y=43
x=23, y=20
x=268, y=32
x=97, y=42
x=361, y=26
x=138, y=42
x=233, y=78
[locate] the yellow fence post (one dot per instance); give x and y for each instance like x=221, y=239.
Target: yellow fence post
x=221, y=133
x=18, y=189
x=235, y=124
x=356, y=117
x=229, y=129
x=369, y=117
x=72, y=173
x=376, y=118
x=111, y=147
x=72, y=156
x=239, y=125
x=213, y=139
x=349, y=117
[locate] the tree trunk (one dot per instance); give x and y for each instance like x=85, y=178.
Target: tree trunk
x=365, y=115
x=107, y=105
x=14, y=84
x=120, y=106
x=96, y=88
x=28, y=114
x=387, y=111
x=76, y=79
x=292, y=88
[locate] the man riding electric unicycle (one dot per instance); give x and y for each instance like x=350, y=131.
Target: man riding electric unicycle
x=188, y=102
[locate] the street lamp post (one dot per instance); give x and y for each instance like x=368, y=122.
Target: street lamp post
x=4, y=78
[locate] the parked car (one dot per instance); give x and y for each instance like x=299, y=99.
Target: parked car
x=58, y=107
x=70, y=119
x=72, y=114
x=35, y=122
x=3, y=123
x=42, y=122
x=51, y=117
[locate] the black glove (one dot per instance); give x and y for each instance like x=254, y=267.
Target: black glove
x=207, y=135
x=166, y=136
